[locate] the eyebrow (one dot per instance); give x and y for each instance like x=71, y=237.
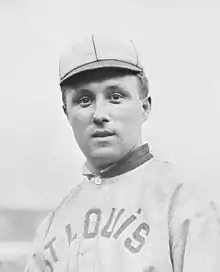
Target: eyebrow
x=115, y=87
x=110, y=88
x=119, y=88
x=81, y=91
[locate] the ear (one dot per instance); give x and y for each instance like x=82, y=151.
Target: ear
x=146, y=104
x=65, y=110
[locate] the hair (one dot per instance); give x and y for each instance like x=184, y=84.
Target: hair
x=76, y=79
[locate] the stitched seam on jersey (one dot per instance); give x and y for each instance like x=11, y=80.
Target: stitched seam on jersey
x=51, y=217
x=72, y=194
x=170, y=213
x=185, y=226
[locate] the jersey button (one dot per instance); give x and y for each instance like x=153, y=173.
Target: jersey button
x=97, y=180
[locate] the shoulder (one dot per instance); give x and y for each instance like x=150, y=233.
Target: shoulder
x=187, y=195
x=71, y=196
x=194, y=227
x=69, y=199
x=192, y=196
x=157, y=169
x=187, y=189
x=193, y=202
x=161, y=175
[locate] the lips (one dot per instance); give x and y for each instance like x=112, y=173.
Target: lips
x=103, y=133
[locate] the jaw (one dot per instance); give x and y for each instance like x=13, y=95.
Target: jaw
x=103, y=156
x=104, y=153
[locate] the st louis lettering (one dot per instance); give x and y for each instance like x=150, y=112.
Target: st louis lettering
x=124, y=226
x=138, y=238
x=97, y=216
x=50, y=246
x=71, y=237
x=91, y=226
x=111, y=229
x=48, y=266
x=105, y=231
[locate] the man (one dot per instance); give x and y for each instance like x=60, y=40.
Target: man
x=131, y=212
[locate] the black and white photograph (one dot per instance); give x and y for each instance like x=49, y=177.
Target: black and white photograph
x=109, y=136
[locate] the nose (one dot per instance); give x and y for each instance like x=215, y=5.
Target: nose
x=100, y=115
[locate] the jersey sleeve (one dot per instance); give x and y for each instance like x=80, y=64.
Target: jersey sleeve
x=194, y=231
x=36, y=262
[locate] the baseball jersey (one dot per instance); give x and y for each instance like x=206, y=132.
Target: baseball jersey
x=137, y=216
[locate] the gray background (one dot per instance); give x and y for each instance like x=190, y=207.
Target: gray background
x=39, y=161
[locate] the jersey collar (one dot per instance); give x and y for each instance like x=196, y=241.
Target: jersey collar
x=130, y=161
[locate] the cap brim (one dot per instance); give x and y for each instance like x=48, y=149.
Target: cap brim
x=101, y=64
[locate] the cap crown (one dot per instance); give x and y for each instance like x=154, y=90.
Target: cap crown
x=98, y=52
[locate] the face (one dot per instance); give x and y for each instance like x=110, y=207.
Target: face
x=106, y=112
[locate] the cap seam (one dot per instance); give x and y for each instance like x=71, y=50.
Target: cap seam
x=94, y=47
x=100, y=60
x=135, y=50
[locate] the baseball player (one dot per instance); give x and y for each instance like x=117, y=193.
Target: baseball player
x=131, y=212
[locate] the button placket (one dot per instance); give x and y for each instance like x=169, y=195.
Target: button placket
x=97, y=180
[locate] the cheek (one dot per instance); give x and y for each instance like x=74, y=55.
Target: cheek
x=79, y=121
x=130, y=115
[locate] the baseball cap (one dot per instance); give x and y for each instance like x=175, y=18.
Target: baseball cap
x=96, y=52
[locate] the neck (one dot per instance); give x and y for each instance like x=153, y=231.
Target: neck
x=98, y=168
x=131, y=160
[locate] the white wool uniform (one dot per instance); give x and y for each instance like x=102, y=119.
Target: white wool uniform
x=143, y=220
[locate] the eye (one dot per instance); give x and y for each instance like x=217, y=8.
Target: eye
x=116, y=97
x=85, y=101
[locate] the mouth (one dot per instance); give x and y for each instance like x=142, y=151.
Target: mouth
x=102, y=134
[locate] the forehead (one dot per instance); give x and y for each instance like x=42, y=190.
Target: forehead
x=104, y=77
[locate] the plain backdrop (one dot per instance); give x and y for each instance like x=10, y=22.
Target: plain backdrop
x=179, y=45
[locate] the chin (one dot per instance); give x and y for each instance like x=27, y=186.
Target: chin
x=106, y=154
